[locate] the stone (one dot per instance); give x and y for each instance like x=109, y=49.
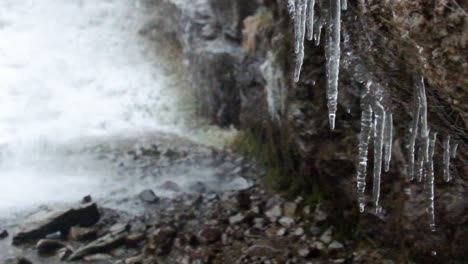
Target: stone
x=64, y=253
x=82, y=233
x=103, y=244
x=161, y=240
x=281, y=232
x=318, y=245
x=262, y=251
x=23, y=260
x=209, y=235
x=303, y=252
x=236, y=219
x=120, y=228
x=84, y=215
x=320, y=215
x=326, y=237
x=134, y=260
x=334, y=245
x=170, y=186
x=86, y=199
x=243, y=199
x=290, y=209
x=47, y=247
x=97, y=257
x=3, y=234
x=286, y=221
x=148, y=196
x=299, y=232
x=274, y=213
x=134, y=239
x=198, y=187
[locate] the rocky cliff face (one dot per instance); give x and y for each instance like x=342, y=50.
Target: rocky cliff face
x=240, y=57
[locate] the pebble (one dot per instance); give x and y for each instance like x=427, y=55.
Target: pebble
x=236, y=219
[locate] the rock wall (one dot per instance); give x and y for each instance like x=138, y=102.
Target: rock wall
x=240, y=57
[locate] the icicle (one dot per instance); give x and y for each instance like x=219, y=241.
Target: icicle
x=379, y=128
x=423, y=107
x=364, y=137
x=422, y=158
x=333, y=58
x=321, y=21
x=388, y=138
x=344, y=4
x=310, y=19
x=447, y=176
x=413, y=137
x=300, y=28
x=430, y=182
x=454, y=151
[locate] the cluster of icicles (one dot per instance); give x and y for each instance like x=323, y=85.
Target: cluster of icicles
x=376, y=118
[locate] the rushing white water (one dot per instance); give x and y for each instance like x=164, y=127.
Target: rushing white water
x=74, y=70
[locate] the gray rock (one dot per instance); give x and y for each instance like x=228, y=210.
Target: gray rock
x=334, y=245
x=290, y=209
x=303, y=252
x=286, y=221
x=299, y=232
x=49, y=246
x=236, y=219
x=84, y=215
x=161, y=240
x=64, y=253
x=170, y=186
x=209, y=235
x=326, y=237
x=86, y=199
x=82, y=233
x=97, y=257
x=134, y=260
x=148, y=196
x=262, y=251
x=100, y=245
x=274, y=213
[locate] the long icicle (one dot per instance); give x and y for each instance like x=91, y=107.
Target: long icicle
x=447, y=176
x=344, y=4
x=414, y=135
x=379, y=127
x=300, y=28
x=430, y=182
x=333, y=58
x=364, y=138
x=310, y=19
x=423, y=107
x=388, y=140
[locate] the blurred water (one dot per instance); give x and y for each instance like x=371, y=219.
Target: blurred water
x=72, y=70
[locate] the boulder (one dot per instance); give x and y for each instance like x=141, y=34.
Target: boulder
x=59, y=221
x=148, y=196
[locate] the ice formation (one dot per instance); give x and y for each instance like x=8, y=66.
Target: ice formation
x=376, y=116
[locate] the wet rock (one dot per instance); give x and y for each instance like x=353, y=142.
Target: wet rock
x=3, y=234
x=303, y=252
x=20, y=260
x=64, y=253
x=82, y=233
x=274, y=213
x=120, y=228
x=290, y=209
x=170, y=186
x=98, y=257
x=148, y=196
x=262, y=251
x=134, y=239
x=209, y=235
x=286, y=221
x=334, y=245
x=134, y=260
x=160, y=241
x=100, y=245
x=47, y=247
x=86, y=199
x=84, y=215
x=236, y=219
x=326, y=237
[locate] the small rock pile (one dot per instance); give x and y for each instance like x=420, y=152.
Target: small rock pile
x=246, y=226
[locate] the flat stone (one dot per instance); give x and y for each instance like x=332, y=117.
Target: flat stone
x=82, y=233
x=274, y=212
x=334, y=245
x=100, y=245
x=59, y=221
x=49, y=246
x=286, y=221
x=236, y=219
x=97, y=257
x=326, y=237
x=148, y=196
